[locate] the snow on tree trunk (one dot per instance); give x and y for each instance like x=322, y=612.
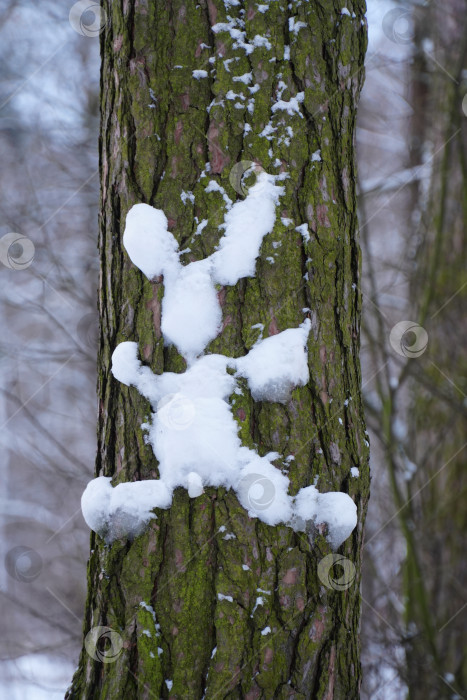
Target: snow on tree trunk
x=205, y=599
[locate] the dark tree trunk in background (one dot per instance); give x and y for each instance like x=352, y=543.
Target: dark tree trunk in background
x=156, y=137
x=434, y=515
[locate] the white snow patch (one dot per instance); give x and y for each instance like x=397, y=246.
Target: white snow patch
x=268, y=131
x=149, y=609
x=294, y=26
x=150, y=246
x=192, y=431
x=245, y=78
x=262, y=41
x=259, y=601
x=292, y=106
x=303, y=230
x=200, y=74
x=187, y=195
x=355, y=472
x=214, y=186
x=238, y=36
x=194, y=436
x=335, y=508
x=191, y=313
x=123, y=511
x=195, y=485
x=202, y=225
x=231, y=95
x=246, y=224
x=277, y=364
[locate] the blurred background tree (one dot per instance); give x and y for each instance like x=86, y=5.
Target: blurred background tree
x=48, y=345
x=414, y=238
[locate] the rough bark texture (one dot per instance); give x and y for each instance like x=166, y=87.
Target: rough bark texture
x=156, y=137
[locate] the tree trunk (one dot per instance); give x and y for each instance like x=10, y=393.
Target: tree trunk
x=192, y=598
x=435, y=512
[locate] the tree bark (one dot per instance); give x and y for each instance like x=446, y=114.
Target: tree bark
x=158, y=131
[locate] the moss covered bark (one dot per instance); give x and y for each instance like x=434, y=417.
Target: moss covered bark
x=184, y=595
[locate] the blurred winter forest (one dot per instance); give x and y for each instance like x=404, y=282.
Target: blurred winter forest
x=412, y=159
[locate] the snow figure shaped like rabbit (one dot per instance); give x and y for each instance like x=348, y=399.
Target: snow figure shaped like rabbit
x=193, y=433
